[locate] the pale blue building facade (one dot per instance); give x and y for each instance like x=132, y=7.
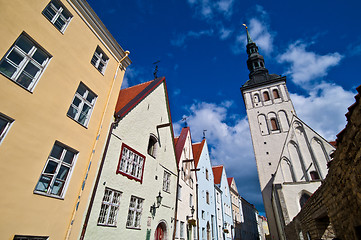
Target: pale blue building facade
x=206, y=198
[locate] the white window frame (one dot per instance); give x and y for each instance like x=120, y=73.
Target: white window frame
x=27, y=60
x=99, y=60
x=6, y=128
x=166, y=181
x=59, y=14
x=135, y=212
x=109, y=208
x=54, y=176
x=131, y=163
x=77, y=110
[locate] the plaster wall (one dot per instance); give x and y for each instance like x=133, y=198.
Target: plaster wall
x=40, y=119
x=206, y=185
x=226, y=205
x=185, y=202
x=134, y=130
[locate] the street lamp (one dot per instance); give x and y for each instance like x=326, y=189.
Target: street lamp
x=154, y=207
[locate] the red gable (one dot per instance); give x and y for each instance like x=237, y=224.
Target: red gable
x=217, y=173
x=197, y=150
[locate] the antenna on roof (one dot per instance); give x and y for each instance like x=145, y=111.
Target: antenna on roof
x=156, y=69
x=204, y=133
x=185, y=121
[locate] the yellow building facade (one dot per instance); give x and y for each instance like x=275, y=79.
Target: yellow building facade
x=60, y=75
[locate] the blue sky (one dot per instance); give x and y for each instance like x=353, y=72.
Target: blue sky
x=201, y=48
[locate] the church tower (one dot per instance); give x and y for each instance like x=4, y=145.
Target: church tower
x=269, y=110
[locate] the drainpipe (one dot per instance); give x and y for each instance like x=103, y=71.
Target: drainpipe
x=94, y=147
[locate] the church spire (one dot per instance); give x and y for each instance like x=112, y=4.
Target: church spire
x=255, y=62
x=249, y=39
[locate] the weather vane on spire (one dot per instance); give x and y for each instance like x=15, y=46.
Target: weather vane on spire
x=249, y=39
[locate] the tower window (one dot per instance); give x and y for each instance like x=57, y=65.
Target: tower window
x=256, y=98
x=261, y=64
x=314, y=175
x=274, y=124
x=275, y=93
x=266, y=96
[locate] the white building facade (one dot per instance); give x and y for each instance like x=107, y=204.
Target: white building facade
x=134, y=196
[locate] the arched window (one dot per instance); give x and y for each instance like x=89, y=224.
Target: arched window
x=152, y=146
x=207, y=197
x=266, y=96
x=256, y=98
x=274, y=124
x=303, y=199
x=275, y=93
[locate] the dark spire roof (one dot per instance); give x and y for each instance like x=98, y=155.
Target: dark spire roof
x=258, y=73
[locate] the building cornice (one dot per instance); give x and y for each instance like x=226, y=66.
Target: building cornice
x=98, y=28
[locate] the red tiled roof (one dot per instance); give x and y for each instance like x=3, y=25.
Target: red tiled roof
x=333, y=143
x=175, y=141
x=130, y=97
x=229, y=181
x=180, y=143
x=217, y=173
x=197, y=150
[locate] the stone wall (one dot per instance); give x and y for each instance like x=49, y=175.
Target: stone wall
x=334, y=210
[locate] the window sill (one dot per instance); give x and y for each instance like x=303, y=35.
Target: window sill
x=48, y=195
x=30, y=91
x=134, y=228
x=104, y=225
x=86, y=127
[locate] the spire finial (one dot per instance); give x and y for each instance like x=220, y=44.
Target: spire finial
x=249, y=39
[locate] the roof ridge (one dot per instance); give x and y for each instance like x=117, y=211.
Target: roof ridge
x=137, y=85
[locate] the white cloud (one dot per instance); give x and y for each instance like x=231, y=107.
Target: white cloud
x=324, y=109
x=134, y=76
x=208, y=8
x=229, y=144
x=260, y=34
x=179, y=40
x=224, y=33
x=306, y=66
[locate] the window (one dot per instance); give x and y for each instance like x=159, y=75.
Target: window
x=314, y=175
x=203, y=214
x=181, y=229
x=256, y=98
x=5, y=123
x=99, y=60
x=275, y=93
x=57, y=171
x=152, y=146
x=131, y=163
x=166, y=181
x=109, y=209
x=304, y=199
x=191, y=182
x=177, y=229
x=266, y=96
x=194, y=233
x=23, y=237
x=82, y=106
x=24, y=62
x=190, y=200
x=57, y=14
x=135, y=212
x=203, y=234
x=274, y=124
x=179, y=192
x=207, y=197
x=207, y=177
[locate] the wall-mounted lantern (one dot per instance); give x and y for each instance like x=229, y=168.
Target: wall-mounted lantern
x=154, y=207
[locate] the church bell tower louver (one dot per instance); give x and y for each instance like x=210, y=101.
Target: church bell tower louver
x=270, y=111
